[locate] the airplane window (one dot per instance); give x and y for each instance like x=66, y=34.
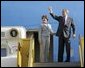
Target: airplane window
x=2, y=34
x=3, y=52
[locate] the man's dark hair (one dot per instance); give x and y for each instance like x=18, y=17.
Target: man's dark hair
x=45, y=16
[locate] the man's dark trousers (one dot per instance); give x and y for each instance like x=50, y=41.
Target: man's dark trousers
x=62, y=43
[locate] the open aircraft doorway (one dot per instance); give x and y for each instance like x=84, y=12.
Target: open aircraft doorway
x=36, y=36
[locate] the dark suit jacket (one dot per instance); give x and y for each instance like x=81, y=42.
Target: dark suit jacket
x=64, y=29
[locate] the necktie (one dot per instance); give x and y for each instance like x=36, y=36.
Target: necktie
x=64, y=20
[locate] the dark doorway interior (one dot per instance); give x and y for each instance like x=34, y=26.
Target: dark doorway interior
x=37, y=47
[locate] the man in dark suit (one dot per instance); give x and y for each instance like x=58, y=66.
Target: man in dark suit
x=63, y=32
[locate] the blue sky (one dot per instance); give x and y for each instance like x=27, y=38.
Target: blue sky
x=28, y=14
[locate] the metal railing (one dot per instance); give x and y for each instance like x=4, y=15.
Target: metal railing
x=81, y=50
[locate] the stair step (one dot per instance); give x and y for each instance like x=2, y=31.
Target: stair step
x=58, y=64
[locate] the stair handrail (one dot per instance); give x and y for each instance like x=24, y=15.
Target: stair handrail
x=81, y=50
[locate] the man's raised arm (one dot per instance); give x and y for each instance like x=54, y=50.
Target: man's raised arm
x=52, y=14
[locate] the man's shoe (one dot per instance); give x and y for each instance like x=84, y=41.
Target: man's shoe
x=67, y=61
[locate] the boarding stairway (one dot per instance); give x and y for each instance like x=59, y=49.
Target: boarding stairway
x=26, y=59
